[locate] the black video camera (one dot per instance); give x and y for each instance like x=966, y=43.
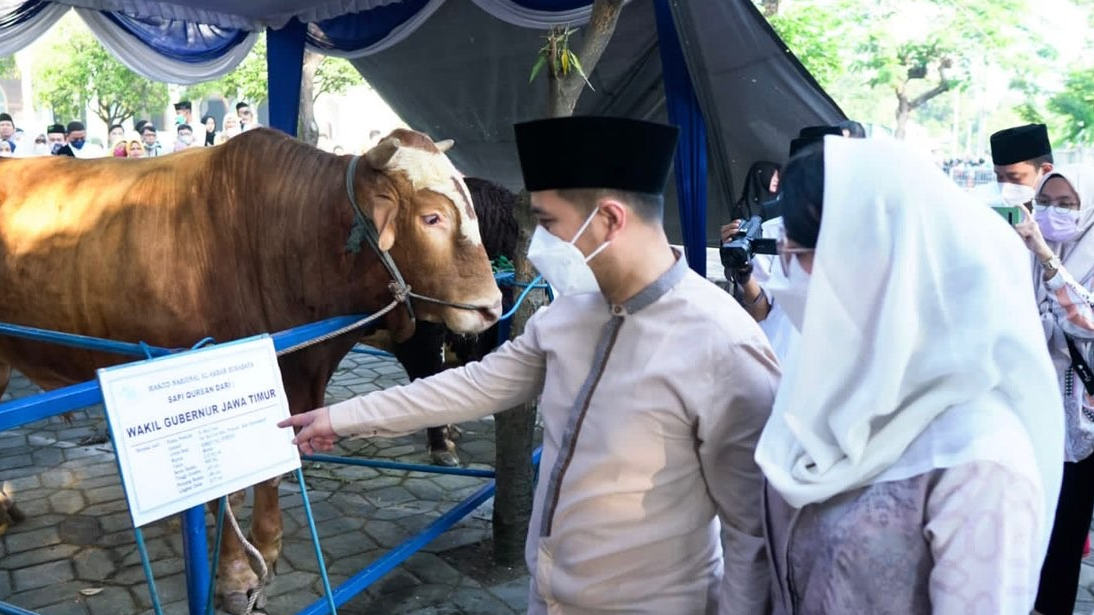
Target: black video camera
x=749, y=241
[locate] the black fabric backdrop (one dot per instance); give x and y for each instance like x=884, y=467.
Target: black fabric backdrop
x=464, y=75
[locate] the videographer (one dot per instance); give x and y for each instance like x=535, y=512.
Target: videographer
x=750, y=280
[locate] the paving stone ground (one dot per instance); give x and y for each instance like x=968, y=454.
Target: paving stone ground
x=76, y=552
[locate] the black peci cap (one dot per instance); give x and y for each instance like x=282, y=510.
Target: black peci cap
x=1019, y=144
x=596, y=152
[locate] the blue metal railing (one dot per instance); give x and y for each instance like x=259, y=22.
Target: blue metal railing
x=199, y=579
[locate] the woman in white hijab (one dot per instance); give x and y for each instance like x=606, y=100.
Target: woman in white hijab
x=912, y=465
x=1059, y=237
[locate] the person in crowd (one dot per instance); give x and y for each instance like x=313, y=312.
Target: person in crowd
x=761, y=185
x=6, y=149
x=184, y=116
x=41, y=147
x=135, y=148
x=246, y=117
x=184, y=137
x=852, y=129
x=749, y=285
x=151, y=141
x=7, y=127
x=912, y=466
x=76, y=143
x=1059, y=236
x=210, y=130
x=115, y=136
x=55, y=137
x=231, y=128
x=639, y=463
x=1021, y=155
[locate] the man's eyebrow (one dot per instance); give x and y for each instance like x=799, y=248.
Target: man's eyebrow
x=536, y=211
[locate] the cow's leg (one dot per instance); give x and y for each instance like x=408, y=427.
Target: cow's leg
x=236, y=579
x=9, y=512
x=422, y=355
x=442, y=450
x=5, y=376
x=266, y=522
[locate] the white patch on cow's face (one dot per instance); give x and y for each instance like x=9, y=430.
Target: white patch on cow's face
x=434, y=171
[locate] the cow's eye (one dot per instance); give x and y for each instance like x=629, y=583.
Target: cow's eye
x=431, y=219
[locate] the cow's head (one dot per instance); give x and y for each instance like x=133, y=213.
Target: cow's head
x=425, y=219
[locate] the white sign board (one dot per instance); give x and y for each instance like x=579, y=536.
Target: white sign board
x=190, y=428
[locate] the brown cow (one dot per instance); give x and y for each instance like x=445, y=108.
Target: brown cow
x=230, y=241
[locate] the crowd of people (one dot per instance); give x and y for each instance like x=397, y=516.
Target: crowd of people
x=143, y=140
x=892, y=414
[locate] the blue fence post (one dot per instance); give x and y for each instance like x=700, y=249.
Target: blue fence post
x=196, y=557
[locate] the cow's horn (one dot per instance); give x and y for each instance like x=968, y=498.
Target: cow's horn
x=445, y=145
x=379, y=156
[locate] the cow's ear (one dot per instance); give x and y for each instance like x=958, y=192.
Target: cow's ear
x=379, y=156
x=384, y=207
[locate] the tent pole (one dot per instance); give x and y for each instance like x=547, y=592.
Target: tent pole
x=690, y=162
x=284, y=66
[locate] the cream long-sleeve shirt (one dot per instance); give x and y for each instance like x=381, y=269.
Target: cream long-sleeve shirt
x=651, y=413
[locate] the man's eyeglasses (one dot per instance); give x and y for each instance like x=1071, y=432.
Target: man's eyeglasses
x=786, y=254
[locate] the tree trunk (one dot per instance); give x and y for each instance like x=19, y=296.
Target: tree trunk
x=309, y=130
x=515, y=427
x=564, y=90
x=903, y=110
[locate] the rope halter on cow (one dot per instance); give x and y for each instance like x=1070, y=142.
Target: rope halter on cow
x=364, y=229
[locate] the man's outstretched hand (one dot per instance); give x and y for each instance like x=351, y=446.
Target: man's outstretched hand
x=315, y=433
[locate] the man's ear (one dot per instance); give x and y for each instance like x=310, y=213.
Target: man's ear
x=1046, y=168
x=615, y=213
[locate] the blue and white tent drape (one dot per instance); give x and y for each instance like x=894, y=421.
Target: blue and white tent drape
x=190, y=42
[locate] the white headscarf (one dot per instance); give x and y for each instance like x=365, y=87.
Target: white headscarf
x=921, y=346
x=1078, y=256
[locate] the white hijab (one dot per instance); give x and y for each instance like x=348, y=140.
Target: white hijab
x=1077, y=256
x=921, y=346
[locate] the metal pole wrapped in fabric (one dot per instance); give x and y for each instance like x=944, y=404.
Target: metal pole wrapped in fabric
x=690, y=163
x=285, y=66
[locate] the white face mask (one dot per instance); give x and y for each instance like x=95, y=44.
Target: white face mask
x=564, y=267
x=789, y=291
x=1015, y=194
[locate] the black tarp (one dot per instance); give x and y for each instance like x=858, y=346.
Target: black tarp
x=465, y=75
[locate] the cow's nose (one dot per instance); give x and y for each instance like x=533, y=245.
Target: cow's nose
x=492, y=313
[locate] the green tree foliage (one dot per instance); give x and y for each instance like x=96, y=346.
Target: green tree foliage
x=1075, y=107
x=867, y=53
x=335, y=76
x=75, y=71
x=8, y=70
x=249, y=80
x=919, y=64
x=817, y=33
x=246, y=82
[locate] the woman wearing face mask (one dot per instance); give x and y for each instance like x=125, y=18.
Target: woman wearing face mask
x=1059, y=237
x=911, y=464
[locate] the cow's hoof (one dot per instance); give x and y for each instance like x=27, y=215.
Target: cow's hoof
x=448, y=459
x=236, y=603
